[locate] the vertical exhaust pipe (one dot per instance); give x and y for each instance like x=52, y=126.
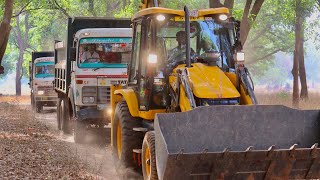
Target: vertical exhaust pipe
x=187, y=29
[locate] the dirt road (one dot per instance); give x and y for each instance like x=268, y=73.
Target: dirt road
x=32, y=147
x=97, y=157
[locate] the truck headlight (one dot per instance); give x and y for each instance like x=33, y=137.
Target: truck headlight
x=88, y=100
x=40, y=92
x=109, y=111
x=152, y=58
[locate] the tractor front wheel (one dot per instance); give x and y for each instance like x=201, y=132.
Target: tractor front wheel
x=124, y=138
x=148, y=157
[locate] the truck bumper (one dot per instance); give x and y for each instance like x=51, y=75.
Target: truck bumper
x=47, y=100
x=93, y=116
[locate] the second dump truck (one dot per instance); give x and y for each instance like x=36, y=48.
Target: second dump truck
x=94, y=56
x=41, y=70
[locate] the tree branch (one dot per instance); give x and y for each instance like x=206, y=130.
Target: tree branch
x=215, y=4
x=268, y=55
x=22, y=9
x=256, y=8
x=61, y=9
x=230, y=3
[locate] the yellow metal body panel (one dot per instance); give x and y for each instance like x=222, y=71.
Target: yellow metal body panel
x=115, y=98
x=244, y=98
x=150, y=115
x=160, y=10
x=208, y=82
x=131, y=100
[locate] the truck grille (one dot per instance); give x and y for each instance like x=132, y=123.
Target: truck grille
x=101, y=93
x=48, y=90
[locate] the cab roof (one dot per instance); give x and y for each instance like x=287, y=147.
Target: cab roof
x=161, y=10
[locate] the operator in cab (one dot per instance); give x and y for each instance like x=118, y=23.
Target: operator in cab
x=90, y=55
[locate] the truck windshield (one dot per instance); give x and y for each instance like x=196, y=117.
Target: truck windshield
x=44, y=69
x=101, y=52
x=206, y=37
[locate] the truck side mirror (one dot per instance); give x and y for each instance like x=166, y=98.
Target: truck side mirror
x=73, y=52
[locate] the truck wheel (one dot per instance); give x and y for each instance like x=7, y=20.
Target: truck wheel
x=66, y=121
x=59, y=113
x=124, y=138
x=148, y=157
x=80, y=132
x=33, y=106
x=39, y=107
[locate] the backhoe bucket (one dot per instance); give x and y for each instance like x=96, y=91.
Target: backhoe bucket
x=238, y=142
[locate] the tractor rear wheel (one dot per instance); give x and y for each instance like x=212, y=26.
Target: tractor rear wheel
x=148, y=157
x=124, y=138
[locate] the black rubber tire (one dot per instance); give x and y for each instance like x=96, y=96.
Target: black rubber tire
x=33, y=105
x=66, y=121
x=129, y=139
x=80, y=132
x=149, y=141
x=59, y=114
x=39, y=107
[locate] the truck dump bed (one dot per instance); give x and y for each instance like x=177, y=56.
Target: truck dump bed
x=238, y=142
x=36, y=55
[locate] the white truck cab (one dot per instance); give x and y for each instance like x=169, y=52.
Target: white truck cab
x=93, y=73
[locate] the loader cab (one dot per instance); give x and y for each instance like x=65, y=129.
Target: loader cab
x=157, y=50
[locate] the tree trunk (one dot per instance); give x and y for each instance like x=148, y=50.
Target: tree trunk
x=5, y=30
x=302, y=69
x=215, y=3
x=295, y=74
x=297, y=54
x=245, y=24
x=19, y=72
x=248, y=13
x=22, y=41
x=303, y=76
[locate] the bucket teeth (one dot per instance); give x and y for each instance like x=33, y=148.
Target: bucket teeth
x=249, y=148
x=270, y=150
x=315, y=146
x=314, y=150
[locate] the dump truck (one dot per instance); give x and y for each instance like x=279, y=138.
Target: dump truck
x=95, y=54
x=189, y=110
x=41, y=76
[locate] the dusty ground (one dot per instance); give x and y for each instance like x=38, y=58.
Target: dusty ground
x=285, y=98
x=29, y=150
x=32, y=147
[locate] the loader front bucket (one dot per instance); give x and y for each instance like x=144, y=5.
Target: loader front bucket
x=238, y=142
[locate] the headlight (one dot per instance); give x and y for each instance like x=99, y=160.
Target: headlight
x=223, y=17
x=152, y=59
x=88, y=100
x=161, y=17
x=109, y=111
x=240, y=56
x=40, y=92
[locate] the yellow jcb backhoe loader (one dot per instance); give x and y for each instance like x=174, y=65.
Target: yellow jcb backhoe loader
x=189, y=110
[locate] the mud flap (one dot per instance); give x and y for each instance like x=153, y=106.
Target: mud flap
x=238, y=142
